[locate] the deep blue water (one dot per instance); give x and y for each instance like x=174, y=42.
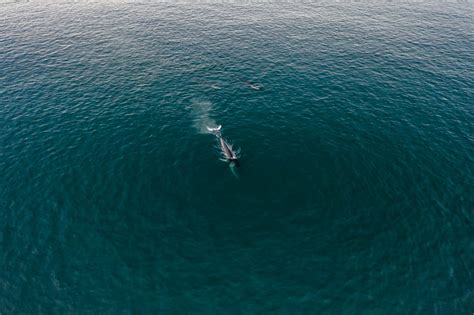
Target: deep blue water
x=355, y=192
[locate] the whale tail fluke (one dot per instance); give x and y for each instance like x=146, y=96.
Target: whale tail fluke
x=216, y=131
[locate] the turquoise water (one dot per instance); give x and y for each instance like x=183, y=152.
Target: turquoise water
x=355, y=191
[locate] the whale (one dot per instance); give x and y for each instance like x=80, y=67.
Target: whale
x=253, y=86
x=229, y=154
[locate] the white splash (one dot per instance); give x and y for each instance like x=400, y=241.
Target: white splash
x=201, y=111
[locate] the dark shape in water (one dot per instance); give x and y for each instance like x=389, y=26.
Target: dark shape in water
x=226, y=149
x=254, y=86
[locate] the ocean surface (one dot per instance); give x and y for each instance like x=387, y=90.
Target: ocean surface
x=355, y=189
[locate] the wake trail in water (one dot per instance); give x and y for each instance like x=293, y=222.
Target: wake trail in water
x=201, y=111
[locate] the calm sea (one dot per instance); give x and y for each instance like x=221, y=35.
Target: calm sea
x=355, y=189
